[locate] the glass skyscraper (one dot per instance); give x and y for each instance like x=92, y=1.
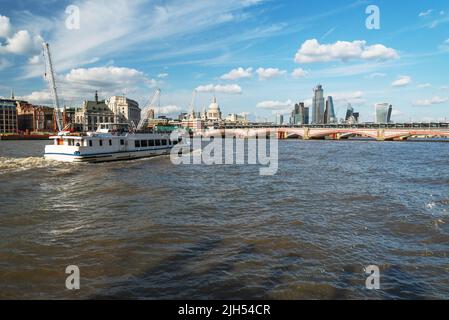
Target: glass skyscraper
x=329, y=113
x=300, y=114
x=349, y=112
x=383, y=112
x=318, y=105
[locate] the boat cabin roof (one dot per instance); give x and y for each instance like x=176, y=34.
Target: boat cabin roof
x=113, y=127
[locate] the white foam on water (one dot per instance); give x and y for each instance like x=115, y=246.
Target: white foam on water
x=438, y=208
x=64, y=231
x=22, y=164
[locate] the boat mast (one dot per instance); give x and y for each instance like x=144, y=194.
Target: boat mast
x=52, y=84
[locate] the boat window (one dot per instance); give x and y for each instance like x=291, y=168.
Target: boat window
x=151, y=143
x=122, y=142
x=164, y=142
x=137, y=142
x=144, y=143
x=101, y=143
x=158, y=142
x=90, y=143
x=70, y=142
x=110, y=142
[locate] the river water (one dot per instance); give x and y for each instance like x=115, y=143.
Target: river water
x=150, y=229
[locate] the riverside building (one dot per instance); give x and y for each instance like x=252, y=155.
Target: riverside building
x=8, y=116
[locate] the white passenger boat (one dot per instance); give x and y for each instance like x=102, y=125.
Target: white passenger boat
x=111, y=142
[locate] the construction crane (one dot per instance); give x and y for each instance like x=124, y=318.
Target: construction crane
x=146, y=111
x=50, y=75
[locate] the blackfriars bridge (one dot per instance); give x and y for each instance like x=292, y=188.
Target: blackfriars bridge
x=379, y=132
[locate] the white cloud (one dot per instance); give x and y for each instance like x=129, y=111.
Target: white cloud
x=402, y=81
x=226, y=89
x=38, y=97
x=269, y=73
x=238, y=73
x=34, y=59
x=312, y=51
x=143, y=25
x=105, y=76
x=80, y=84
x=429, y=102
x=299, y=73
x=425, y=13
x=5, y=27
x=275, y=105
x=447, y=41
x=167, y=110
x=424, y=85
x=162, y=75
x=21, y=43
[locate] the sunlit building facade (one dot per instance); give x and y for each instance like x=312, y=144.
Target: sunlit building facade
x=383, y=112
x=318, y=105
x=8, y=116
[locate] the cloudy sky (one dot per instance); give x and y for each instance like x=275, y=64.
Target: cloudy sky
x=258, y=56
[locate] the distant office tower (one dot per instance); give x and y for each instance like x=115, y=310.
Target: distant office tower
x=300, y=115
x=151, y=114
x=390, y=111
x=318, y=105
x=351, y=116
x=349, y=112
x=279, y=119
x=329, y=113
x=306, y=115
x=382, y=112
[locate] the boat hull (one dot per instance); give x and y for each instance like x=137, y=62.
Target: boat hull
x=105, y=157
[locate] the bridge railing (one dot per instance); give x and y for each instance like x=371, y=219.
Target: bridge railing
x=430, y=125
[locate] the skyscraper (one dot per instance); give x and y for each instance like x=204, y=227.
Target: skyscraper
x=279, y=119
x=349, y=112
x=382, y=112
x=329, y=113
x=306, y=115
x=390, y=111
x=300, y=114
x=351, y=117
x=318, y=106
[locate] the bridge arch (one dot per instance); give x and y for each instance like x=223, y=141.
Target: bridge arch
x=409, y=134
x=343, y=133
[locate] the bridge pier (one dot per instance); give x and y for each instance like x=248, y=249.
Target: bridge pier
x=306, y=135
x=380, y=135
x=281, y=135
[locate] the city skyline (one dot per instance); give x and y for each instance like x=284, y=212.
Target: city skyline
x=280, y=53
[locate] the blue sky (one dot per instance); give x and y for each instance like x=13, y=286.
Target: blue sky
x=259, y=57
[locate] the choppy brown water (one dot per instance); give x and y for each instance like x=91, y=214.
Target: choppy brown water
x=148, y=229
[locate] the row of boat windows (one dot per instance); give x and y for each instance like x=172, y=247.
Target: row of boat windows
x=71, y=142
x=154, y=143
x=138, y=143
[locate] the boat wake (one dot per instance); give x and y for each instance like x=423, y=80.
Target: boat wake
x=8, y=165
